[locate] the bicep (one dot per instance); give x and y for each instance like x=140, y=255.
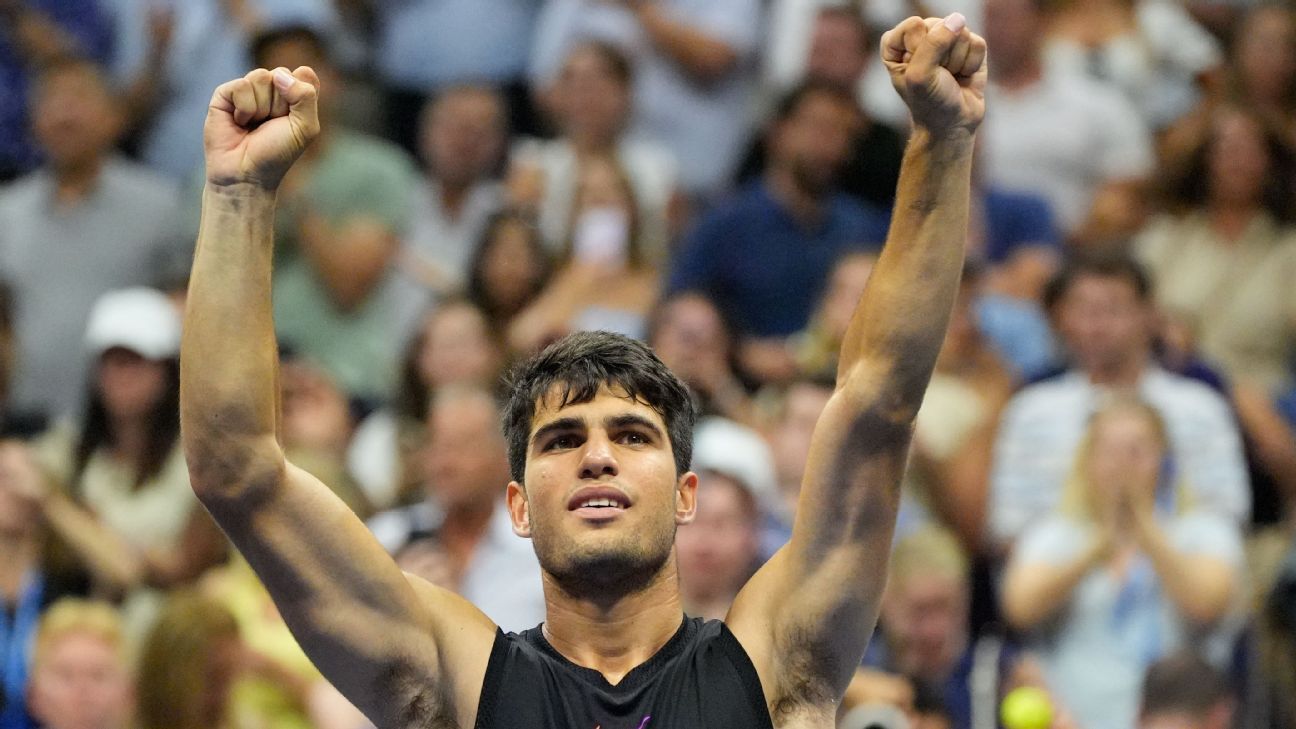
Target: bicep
x=350, y=607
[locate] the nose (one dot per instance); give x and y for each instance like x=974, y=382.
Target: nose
x=597, y=460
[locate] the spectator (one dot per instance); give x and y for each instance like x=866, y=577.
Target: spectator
x=428, y=48
x=83, y=224
x=790, y=425
x=1076, y=142
x=123, y=461
x=1263, y=67
x=508, y=270
x=765, y=256
x=460, y=536
x=188, y=665
x=171, y=55
x=692, y=337
x=316, y=428
x=720, y=550
x=1126, y=571
x=1152, y=50
x=34, y=33
x=80, y=677
x=693, y=72
x=462, y=137
x=1183, y=691
x=1225, y=258
x=1273, y=701
x=607, y=279
x=455, y=348
x=339, y=298
x=590, y=101
x=818, y=344
x=840, y=48
x=923, y=632
x=1102, y=308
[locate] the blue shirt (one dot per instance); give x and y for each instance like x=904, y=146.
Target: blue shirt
x=764, y=268
x=1016, y=220
x=86, y=24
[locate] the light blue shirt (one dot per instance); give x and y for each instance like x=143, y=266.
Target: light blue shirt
x=426, y=44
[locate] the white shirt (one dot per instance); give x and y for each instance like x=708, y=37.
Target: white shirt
x=1063, y=137
x=1043, y=425
x=448, y=243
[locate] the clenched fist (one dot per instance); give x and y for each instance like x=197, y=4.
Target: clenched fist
x=258, y=125
x=939, y=68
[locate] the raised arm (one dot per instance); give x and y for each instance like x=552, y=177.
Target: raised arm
x=383, y=639
x=806, y=616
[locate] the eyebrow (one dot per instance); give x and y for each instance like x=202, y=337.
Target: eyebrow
x=555, y=426
x=627, y=420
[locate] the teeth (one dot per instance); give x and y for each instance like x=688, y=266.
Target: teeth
x=599, y=503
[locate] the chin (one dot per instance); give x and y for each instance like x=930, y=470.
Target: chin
x=604, y=565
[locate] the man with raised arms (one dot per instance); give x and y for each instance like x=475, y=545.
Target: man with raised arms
x=599, y=437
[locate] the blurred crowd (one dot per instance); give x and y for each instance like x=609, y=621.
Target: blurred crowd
x=1101, y=496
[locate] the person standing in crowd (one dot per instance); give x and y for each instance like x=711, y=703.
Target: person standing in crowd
x=1102, y=308
x=1126, y=571
x=81, y=676
x=694, y=73
x=84, y=223
x=1077, y=142
x=790, y=226
x=462, y=138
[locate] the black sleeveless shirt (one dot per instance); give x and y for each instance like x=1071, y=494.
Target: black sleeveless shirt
x=701, y=679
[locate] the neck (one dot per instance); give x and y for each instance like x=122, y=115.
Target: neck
x=130, y=436
x=463, y=527
x=802, y=203
x=614, y=637
x=1230, y=220
x=74, y=181
x=1125, y=373
x=453, y=197
x=592, y=145
x=1013, y=76
x=20, y=552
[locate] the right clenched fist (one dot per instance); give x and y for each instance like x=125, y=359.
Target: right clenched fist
x=258, y=125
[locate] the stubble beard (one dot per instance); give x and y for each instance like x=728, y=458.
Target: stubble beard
x=606, y=571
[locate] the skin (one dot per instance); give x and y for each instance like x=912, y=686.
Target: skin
x=411, y=654
x=717, y=551
x=82, y=683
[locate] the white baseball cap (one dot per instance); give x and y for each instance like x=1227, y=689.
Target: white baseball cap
x=723, y=446
x=140, y=319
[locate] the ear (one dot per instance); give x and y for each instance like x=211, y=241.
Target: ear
x=686, y=498
x=519, y=510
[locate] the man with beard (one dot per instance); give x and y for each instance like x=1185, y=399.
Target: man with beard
x=764, y=255
x=599, y=452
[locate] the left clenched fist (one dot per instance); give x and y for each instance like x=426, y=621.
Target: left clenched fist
x=939, y=68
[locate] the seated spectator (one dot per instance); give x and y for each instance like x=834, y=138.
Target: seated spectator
x=1183, y=691
x=123, y=461
x=1263, y=67
x=590, y=101
x=923, y=632
x=839, y=48
x=1126, y=571
x=84, y=223
x=462, y=135
x=339, y=299
x=1102, y=309
x=691, y=336
x=456, y=347
x=34, y=33
x=460, y=536
x=720, y=550
x=80, y=675
x=693, y=73
x=1152, y=50
x=508, y=270
x=816, y=346
x=316, y=427
x=788, y=426
x=1224, y=259
x=606, y=278
x=1078, y=143
x=764, y=257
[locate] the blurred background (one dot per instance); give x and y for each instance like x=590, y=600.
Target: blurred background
x=1099, y=504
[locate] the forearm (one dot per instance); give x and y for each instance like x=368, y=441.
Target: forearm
x=1032, y=593
x=1200, y=589
x=109, y=557
x=901, y=318
x=701, y=55
x=228, y=384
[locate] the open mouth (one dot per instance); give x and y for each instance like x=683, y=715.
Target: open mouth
x=598, y=503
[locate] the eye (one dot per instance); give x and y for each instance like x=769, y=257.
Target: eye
x=635, y=438
x=561, y=442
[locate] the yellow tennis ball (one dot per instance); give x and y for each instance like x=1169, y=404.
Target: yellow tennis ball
x=1026, y=708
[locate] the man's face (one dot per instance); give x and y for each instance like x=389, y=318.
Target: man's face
x=592, y=102
x=601, y=499
x=463, y=136
x=81, y=684
x=838, y=52
x=925, y=620
x=790, y=439
x=691, y=339
x=74, y=116
x=466, y=458
x=1012, y=28
x=1103, y=322
x=717, y=551
x=815, y=140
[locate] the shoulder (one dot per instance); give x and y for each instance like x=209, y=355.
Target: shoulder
x=1067, y=390
x=22, y=194
x=366, y=152
x=1054, y=539
x=139, y=183
x=1179, y=396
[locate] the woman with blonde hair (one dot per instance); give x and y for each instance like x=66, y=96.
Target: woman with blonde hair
x=1127, y=572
